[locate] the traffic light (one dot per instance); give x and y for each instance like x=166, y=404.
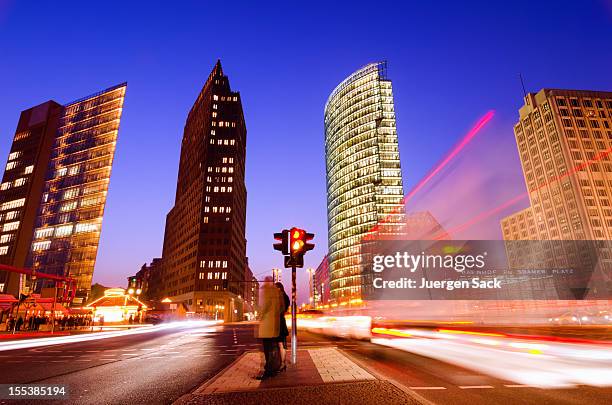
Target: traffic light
x=298, y=242
x=283, y=238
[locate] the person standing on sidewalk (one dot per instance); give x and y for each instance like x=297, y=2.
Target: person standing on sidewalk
x=283, y=331
x=268, y=329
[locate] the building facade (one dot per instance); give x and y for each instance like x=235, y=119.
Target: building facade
x=148, y=279
x=22, y=187
x=564, y=139
x=251, y=295
x=321, y=281
x=364, y=179
x=67, y=152
x=204, y=253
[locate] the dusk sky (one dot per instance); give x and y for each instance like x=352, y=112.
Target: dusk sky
x=450, y=63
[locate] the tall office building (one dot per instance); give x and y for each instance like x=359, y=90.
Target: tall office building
x=364, y=179
x=54, y=187
x=204, y=253
x=564, y=139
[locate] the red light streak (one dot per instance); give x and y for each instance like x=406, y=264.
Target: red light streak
x=454, y=152
x=519, y=197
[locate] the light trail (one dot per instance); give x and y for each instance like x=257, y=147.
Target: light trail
x=60, y=340
x=512, y=201
x=449, y=157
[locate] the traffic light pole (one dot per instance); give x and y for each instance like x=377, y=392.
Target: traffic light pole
x=293, y=318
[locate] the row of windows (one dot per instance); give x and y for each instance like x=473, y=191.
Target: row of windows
x=213, y=264
x=17, y=183
x=223, y=141
x=217, y=275
x=20, y=202
x=217, y=189
x=223, y=98
x=585, y=103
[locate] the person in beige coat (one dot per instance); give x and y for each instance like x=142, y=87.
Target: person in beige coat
x=269, y=327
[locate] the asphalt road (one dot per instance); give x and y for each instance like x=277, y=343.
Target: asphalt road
x=442, y=383
x=152, y=368
x=159, y=367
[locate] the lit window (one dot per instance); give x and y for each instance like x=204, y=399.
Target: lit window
x=62, y=231
x=20, y=182
x=41, y=245
x=5, y=185
x=210, y=276
x=87, y=227
x=7, y=238
x=3, y=250
x=28, y=169
x=12, y=204
x=68, y=206
x=43, y=233
x=11, y=215
x=201, y=276
x=215, y=97
x=11, y=165
x=10, y=226
x=14, y=155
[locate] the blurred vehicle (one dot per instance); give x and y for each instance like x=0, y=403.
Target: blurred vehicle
x=575, y=318
x=153, y=319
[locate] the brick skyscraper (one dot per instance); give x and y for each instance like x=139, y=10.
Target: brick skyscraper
x=204, y=253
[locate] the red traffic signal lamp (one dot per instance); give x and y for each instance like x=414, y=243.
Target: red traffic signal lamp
x=298, y=242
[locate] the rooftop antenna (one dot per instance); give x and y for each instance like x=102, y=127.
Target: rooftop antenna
x=523, y=85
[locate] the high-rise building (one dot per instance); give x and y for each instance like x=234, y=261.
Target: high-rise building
x=251, y=294
x=204, y=253
x=364, y=179
x=321, y=280
x=54, y=187
x=564, y=139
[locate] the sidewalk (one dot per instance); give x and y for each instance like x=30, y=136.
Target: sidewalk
x=322, y=375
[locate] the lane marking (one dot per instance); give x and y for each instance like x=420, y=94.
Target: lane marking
x=519, y=386
x=427, y=388
x=468, y=387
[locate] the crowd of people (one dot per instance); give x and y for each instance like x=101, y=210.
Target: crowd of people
x=272, y=329
x=35, y=322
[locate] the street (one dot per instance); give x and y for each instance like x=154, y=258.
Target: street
x=153, y=368
x=159, y=367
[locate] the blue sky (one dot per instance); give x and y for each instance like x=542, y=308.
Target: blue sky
x=450, y=62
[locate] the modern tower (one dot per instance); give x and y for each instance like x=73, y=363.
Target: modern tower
x=364, y=179
x=204, y=253
x=54, y=187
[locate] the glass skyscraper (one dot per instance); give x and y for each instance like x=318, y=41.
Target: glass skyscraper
x=70, y=215
x=364, y=179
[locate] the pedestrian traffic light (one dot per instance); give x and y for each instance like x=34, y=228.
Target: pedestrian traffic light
x=298, y=242
x=283, y=238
